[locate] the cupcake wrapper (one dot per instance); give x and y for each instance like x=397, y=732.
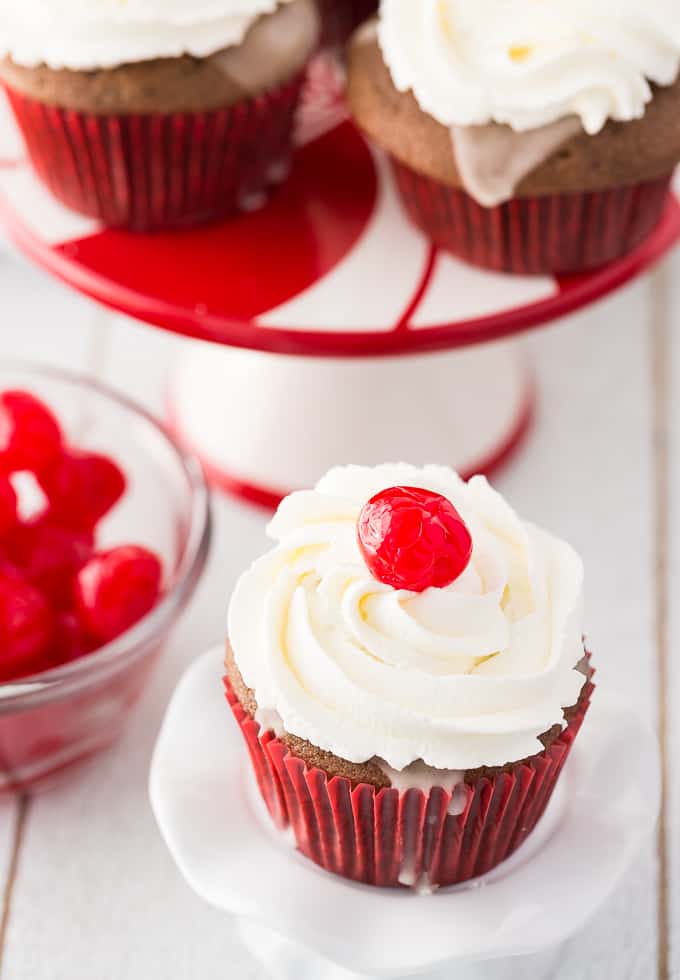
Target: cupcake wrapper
x=160, y=170
x=384, y=837
x=340, y=17
x=558, y=233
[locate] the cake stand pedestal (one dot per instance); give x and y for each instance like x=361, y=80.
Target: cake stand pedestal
x=303, y=923
x=330, y=271
x=263, y=425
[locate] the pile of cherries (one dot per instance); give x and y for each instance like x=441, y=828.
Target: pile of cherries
x=61, y=597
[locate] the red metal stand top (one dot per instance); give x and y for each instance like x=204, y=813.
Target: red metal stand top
x=331, y=266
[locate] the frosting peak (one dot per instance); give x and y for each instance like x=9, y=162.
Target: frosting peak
x=90, y=34
x=459, y=677
x=528, y=63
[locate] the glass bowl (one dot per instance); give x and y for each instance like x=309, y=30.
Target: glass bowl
x=51, y=720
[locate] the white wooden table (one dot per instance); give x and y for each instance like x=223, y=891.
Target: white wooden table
x=89, y=891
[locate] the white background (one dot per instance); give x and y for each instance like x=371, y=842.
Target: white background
x=89, y=891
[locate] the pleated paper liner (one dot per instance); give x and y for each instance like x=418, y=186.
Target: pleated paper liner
x=389, y=838
x=558, y=234
x=159, y=171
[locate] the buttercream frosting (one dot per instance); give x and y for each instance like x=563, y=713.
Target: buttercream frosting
x=457, y=678
x=528, y=63
x=90, y=34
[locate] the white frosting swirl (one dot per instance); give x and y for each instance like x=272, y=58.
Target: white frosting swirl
x=460, y=677
x=89, y=34
x=528, y=63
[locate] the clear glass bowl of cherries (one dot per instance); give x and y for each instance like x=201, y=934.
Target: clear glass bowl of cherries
x=104, y=532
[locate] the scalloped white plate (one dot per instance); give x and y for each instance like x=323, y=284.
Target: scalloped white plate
x=606, y=808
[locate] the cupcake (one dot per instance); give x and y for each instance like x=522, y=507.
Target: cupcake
x=157, y=114
x=340, y=17
x=525, y=137
x=408, y=671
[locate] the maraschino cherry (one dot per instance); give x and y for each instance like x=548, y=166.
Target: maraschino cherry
x=115, y=589
x=60, y=597
x=30, y=436
x=26, y=625
x=413, y=539
x=81, y=488
x=8, y=506
x=50, y=556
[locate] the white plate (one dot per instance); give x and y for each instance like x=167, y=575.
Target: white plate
x=606, y=808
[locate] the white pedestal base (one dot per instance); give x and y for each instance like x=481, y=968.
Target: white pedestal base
x=264, y=424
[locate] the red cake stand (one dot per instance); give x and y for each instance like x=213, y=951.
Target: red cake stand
x=388, y=340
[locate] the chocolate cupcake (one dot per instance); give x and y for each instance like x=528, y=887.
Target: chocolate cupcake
x=157, y=115
x=529, y=138
x=408, y=672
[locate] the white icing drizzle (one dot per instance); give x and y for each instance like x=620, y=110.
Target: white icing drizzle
x=493, y=160
x=274, y=49
x=422, y=777
x=407, y=869
x=269, y=720
x=459, y=798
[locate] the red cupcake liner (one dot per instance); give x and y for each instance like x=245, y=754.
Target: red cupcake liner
x=160, y=170
x=384, y=837
x=558, y=233
x=340, y=17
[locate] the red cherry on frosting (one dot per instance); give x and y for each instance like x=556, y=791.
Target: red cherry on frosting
x=413, y=539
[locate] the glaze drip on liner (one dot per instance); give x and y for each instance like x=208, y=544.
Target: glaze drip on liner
x=461, y=677
x=493, y=160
